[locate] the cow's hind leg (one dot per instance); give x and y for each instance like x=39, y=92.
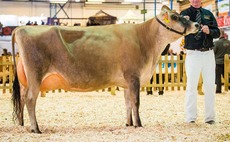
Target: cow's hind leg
x=133, y=99
x=30, y=101
x=128, y=108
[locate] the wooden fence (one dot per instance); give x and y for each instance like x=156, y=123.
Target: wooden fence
x=169, y=73
x=6, y=73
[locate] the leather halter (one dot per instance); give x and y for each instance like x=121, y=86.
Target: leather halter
x=171, y=29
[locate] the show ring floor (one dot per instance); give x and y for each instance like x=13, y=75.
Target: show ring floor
x=101, y=117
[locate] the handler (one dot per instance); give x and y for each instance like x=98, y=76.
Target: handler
x=200, y=59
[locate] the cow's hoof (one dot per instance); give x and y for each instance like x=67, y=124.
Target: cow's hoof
x=161, y=92
x=128, y=125
x=138, y=126
x=37, y=131
x=21, y=123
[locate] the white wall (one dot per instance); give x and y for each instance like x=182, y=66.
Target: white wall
x=24, y=8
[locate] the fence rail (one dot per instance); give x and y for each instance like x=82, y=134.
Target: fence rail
x=169, y=74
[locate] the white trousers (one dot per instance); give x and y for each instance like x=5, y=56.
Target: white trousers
x=197, y=63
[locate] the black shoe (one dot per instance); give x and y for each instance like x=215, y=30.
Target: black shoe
x=161, y=92
x=218, y=92
x=149, y=92
x=210, y=122
x=192, y=122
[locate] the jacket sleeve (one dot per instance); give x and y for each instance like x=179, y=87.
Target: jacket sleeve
x=184, y=13
x=213, y=27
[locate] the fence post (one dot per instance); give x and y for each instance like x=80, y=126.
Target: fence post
x=43, y=93
x=184, y=73
x=226, y=72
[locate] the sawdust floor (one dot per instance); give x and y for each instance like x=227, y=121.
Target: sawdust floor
x=101, y=117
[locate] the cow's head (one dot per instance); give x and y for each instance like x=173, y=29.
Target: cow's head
x=176, y=23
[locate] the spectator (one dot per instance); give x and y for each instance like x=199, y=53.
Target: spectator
x=28, y=23
x=5, y=53
x=42, y=22
x=222, y=47
x=9, y=53
x=35, y=23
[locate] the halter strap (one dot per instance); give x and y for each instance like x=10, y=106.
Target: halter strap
x=171, y=29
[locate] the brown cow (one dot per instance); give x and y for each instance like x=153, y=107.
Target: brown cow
x=92, y=58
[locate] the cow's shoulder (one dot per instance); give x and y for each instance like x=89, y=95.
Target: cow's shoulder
x=69, y=35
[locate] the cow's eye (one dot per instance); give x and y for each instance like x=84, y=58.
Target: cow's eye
x=175, y=17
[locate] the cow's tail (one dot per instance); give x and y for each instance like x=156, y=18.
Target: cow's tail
x=16, y=87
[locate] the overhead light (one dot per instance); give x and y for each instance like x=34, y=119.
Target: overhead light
x=58, y=1
x=94, y=1
x=132, y=1
x=165, y=2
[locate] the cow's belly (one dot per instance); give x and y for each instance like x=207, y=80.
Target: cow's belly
x=51, y=81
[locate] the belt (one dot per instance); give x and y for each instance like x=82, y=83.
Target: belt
x=201, y=49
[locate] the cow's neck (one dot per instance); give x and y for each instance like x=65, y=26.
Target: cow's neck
x=153, y=39
x=153, y=36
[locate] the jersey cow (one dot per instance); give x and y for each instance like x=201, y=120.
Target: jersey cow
x=91, y=58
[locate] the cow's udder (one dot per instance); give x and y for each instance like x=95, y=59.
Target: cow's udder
x=50, y=82
x=21, y=73
x=53, y=81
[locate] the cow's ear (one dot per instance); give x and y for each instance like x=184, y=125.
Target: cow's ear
x=165, y=8
x=165, y=17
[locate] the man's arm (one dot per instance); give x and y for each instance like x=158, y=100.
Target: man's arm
x=214, y=31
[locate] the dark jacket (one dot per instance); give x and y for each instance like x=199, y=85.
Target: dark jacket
x=206, y=40
x=222, y=47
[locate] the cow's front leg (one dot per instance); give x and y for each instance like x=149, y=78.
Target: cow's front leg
x=128, y=108
x=133, y=96
x=31, y=99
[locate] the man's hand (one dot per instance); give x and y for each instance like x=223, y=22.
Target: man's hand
x=205, y=29
x=186, y=17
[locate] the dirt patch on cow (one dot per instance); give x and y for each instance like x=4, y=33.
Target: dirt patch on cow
x=99, y=116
